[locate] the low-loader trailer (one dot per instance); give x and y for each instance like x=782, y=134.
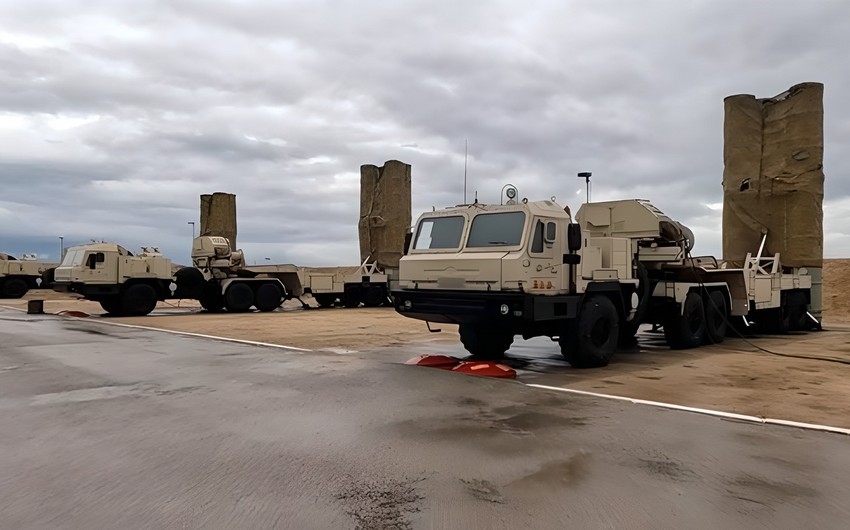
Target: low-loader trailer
x=526, y=268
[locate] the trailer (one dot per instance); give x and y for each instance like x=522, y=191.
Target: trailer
x=526, y=268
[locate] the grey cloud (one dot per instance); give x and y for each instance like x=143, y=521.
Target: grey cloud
x=281, y=103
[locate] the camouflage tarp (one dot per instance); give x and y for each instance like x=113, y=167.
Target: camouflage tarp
x=385, y=212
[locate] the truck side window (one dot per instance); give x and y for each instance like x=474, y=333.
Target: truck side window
x=537, y=240
x=100, y=257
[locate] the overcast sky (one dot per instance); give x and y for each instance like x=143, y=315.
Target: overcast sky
x=115, y=116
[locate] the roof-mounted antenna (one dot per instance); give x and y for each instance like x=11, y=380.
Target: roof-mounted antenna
x=465, y=157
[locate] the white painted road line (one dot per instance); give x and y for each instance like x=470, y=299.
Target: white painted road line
x=709, y=412
x=185, y=333
x=203, y=336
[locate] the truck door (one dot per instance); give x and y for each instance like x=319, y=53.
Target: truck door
x=94, y=268
x=544, y=251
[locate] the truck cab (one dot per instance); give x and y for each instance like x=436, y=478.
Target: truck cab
x=523, y=268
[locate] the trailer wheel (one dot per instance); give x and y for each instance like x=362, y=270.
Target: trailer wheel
x=688, y=329
x=268, y=297
x=351, y=296
x=325, y=300
x=374, y=296
x=716, y=317
x=485, y=342
x=238, y=298
x=590, y=340
x=211, y=299
x=112, y=305
x=138, y=300
x=14, y=288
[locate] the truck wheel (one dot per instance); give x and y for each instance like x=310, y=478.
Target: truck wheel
x=716, y=317
x=238, y=298
x=325, y=300
x=591, y=339
x=374, y=296
x=111, y=305
x=351, y=296
x=688, y=329
x=485, y=342
x=268, y=297
x=138, y=300
x=14, y=288
x=211, y=299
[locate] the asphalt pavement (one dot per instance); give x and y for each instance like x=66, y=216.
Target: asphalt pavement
x=111, y=427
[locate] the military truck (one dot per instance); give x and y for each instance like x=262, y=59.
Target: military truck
x=131, y=285
x=17, y=276
x=525, y=268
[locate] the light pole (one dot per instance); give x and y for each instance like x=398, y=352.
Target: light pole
x=193, y=228
x=61, y=247
x=586, y=176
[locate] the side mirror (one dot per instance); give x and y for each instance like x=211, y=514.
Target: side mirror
x=572, y=259
x=574, y=237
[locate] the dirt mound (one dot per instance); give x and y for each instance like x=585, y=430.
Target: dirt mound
x=836, y=286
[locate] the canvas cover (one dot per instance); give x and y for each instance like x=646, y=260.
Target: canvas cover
x=218, y=216
x=773, y=176
x=385, y=212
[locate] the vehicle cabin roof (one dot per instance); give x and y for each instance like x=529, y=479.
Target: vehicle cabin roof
x=542, y=208
x=103, y=247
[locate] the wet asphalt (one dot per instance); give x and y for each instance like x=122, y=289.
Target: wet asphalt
x=110, y=427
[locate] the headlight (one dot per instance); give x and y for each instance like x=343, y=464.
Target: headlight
x=504, y=309
x=407, y=305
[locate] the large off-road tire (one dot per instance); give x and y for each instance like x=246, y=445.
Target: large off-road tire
x=485, y=342
x=14, y=288
x=238, y=298
x=112, y=305
x=590, y=340
x=686, y=330
x=374, y=296
x=190, y=283
x=138, y=300
x=352, y=295
x=716, y=317
x=325, y=300
x=211, y=299
x=268, y=297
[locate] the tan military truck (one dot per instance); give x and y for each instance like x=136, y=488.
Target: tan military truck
x=17, y=276
x=525, y=268
x=127, y=284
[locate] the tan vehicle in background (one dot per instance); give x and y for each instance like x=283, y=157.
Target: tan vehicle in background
x=525, y=268
x=127, y=284
x=17, y=276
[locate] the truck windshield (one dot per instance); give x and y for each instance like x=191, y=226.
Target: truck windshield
x=439, y=232
x=496, y=230
x=73, y=258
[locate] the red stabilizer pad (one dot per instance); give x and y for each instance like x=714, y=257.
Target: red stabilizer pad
x=485, y=369
x=434, y=361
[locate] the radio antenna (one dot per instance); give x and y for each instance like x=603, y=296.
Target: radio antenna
x=465, y=156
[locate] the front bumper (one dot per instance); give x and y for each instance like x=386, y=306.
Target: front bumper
x=474, y=307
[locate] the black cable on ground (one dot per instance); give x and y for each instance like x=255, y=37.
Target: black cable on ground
x=741, y=336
